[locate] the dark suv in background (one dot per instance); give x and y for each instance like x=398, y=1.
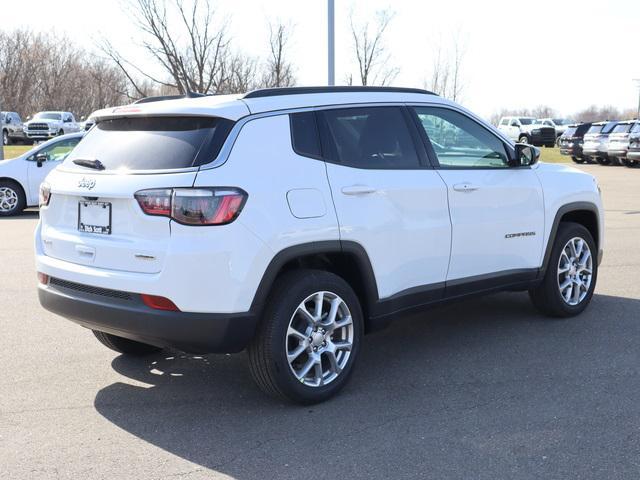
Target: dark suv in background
x=571, y=141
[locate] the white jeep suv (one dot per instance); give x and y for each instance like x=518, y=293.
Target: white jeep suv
x=290, y=222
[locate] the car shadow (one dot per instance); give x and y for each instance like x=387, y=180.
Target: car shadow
x=448, y=387
x=28, y=214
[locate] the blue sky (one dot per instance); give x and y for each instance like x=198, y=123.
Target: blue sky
x=566, y=54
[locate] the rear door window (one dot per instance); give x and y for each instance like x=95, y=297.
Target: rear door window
x=371, y=137
x=153, y=143
x=304, y=134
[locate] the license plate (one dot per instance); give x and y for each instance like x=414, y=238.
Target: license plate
x=94, y=217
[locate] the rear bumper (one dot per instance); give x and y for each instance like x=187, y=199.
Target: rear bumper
x=633, y=155
x=125, y=315
x=575, y=151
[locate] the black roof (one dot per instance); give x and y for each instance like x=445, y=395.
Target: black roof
x=274, y=92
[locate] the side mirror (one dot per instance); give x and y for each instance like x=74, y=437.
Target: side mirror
x=40, y=159
x=525, y=155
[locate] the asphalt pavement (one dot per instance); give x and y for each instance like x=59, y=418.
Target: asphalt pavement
x=482, y=389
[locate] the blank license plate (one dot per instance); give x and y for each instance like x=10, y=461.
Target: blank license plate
x=94, y=217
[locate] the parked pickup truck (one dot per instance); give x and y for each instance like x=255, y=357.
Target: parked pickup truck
x=525, y=130
x=12, y=128
x=46, y=125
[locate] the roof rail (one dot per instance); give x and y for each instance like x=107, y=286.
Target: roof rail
x=162, y=98
x=274, y=92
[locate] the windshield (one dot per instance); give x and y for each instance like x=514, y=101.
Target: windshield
x=150, y=143
x=526, y=121
x=622, y=128
x=47, y=116
x=595, y=129
x=561, y=121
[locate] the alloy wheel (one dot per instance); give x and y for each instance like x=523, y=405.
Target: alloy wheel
x=575, y=271
x=319, y=339
x=8, y=199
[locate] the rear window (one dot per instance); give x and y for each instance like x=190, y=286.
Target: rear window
x=570, y=131
x=622, y=128
x=609, y=127
x=152, y=143
x=636, y=128
x=595, y=129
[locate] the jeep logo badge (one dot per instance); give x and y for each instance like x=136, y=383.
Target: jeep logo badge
x=87, y=183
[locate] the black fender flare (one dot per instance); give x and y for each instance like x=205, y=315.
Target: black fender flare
x=561, y=212
x=354, y=249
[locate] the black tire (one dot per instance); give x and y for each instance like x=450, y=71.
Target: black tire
x=577, y=159
x=267, y=352
x=523, y=139
x=550, y=145
x=546, y=297
x=603, y=161
x=11, y=186
x=6, y=139
x=124, y=345
x=61, y=132
x=630, y=163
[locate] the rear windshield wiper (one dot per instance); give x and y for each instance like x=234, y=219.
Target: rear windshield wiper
x=95, y=164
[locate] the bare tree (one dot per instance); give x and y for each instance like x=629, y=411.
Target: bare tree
x=279, y=71
x=46, y=72
x=197, y=64
x=370, y=51
x=447, y=69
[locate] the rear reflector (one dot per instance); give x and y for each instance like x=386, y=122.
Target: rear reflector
x=43, y=278
x=159, y=303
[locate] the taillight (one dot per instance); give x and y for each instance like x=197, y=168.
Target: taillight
x=43, y=278
x=194, y=206
x=44, y=195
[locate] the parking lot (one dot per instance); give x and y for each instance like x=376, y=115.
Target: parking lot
x=483, y=389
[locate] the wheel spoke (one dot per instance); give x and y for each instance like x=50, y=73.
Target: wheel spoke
x=342, y=345
x=564, y=285
x=296, y=353
x=333, y=363
x=292, y=332
x=333, y=312
x=306, y=368
x=585, y=258
x=319, y=301
x=346, y=320
x=304, y=313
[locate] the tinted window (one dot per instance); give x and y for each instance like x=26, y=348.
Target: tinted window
x=375, y=137
x=153, y=142
x=526, y=121
x=459, y=141
x=505, y=121
x=569, y=132
x=622, y=128
x=595, y=129
x=304, y=134
x=609, y=127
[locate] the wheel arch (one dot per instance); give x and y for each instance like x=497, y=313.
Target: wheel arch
x=583, y=213
x=346, y=259
x=18, y=183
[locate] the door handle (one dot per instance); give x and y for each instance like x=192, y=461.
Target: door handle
x=358, y=190
x=465, y=187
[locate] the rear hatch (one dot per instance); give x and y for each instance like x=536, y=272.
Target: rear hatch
x=620, y=135
x=93, y=218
